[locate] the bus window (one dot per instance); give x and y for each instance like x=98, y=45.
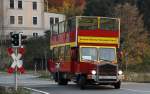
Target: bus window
x=74, y=54
x=55, y=29
x=61, y=27
x=51, y=30
x=71, y=25
x=65, y=26
x=68, y=26
x=109, y=24
x=55, y=54
x=107, y=54
x=88, y=53
x=88, y=23
x=67, y=53
x=61, y=53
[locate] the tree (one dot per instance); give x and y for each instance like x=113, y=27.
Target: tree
x=37, y=49
x=54, y=5
x=135, y=41
x=67, y=7
x=144, y=8
x=99, y=7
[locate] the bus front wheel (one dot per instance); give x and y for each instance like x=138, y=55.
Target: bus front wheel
x=62, y=82
x=82, y=82
x=117, y=85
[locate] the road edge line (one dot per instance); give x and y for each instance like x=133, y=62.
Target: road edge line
x=36, y=90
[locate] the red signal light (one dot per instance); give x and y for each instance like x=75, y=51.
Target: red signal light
x=21, y=50
x=10, y=51
x=21, y=70
x=10, y=70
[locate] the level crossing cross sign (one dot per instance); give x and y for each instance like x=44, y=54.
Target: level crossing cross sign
x=17, y=63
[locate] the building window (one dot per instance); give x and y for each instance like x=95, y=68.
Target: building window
x=34, y=4
x=51, y=20
x=20, y=4
x=12, y=19
x=20, y=20
x=34, y=20
x=56, y=20
x=11, y=3
x=35, y=34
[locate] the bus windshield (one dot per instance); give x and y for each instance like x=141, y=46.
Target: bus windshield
x=88, y=53
x=107, y=54
x=98, y=54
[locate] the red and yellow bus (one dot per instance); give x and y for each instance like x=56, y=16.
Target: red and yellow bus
x=85, y=50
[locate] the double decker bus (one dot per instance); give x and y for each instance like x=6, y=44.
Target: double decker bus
x=84, y=50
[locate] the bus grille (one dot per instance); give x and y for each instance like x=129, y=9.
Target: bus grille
x=107, y=70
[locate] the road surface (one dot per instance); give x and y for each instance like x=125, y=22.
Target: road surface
x=32, y=81
x=127, y=88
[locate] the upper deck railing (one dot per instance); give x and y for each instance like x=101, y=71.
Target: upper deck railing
x=98, y=23
x=86, y=23
x=70, y=29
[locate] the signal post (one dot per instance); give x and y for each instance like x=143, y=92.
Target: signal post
x=16, y=52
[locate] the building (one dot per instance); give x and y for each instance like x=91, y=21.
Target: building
x=26, y=16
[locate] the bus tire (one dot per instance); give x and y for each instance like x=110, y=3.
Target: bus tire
x=117, y=85
x=63, y=82
x=82, y=82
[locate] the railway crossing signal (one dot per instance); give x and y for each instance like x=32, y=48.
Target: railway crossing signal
x=15, y=40
x=17, y=63
x=16, y=53
x=22, y=39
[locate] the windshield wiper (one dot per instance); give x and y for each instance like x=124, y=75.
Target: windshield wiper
x=105, y=60
x=88, y=60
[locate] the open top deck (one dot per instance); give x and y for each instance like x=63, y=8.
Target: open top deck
x=86, y=30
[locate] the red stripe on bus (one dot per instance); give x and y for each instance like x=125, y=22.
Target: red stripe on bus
x=98, y=33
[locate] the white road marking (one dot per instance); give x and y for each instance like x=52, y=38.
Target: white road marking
x=42, y=92
x=143, y=91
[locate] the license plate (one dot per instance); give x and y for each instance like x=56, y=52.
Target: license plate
x=107, y=77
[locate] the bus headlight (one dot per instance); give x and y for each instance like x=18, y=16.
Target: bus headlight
x=120, y=72
x=93, y=72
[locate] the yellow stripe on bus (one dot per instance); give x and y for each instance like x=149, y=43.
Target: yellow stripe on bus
x=105, y=40
x=72, y=44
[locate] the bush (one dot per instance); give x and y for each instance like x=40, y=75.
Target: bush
x=45, y=75
x=137, y=77
x=10, y=90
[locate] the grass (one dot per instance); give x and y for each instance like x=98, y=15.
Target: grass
x=45, y=75
x=12, y=91
x=137, y=72
x=137, y=77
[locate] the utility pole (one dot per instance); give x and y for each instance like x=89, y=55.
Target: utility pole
x=35, y=67
x=45, y=61
x=16, y=76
